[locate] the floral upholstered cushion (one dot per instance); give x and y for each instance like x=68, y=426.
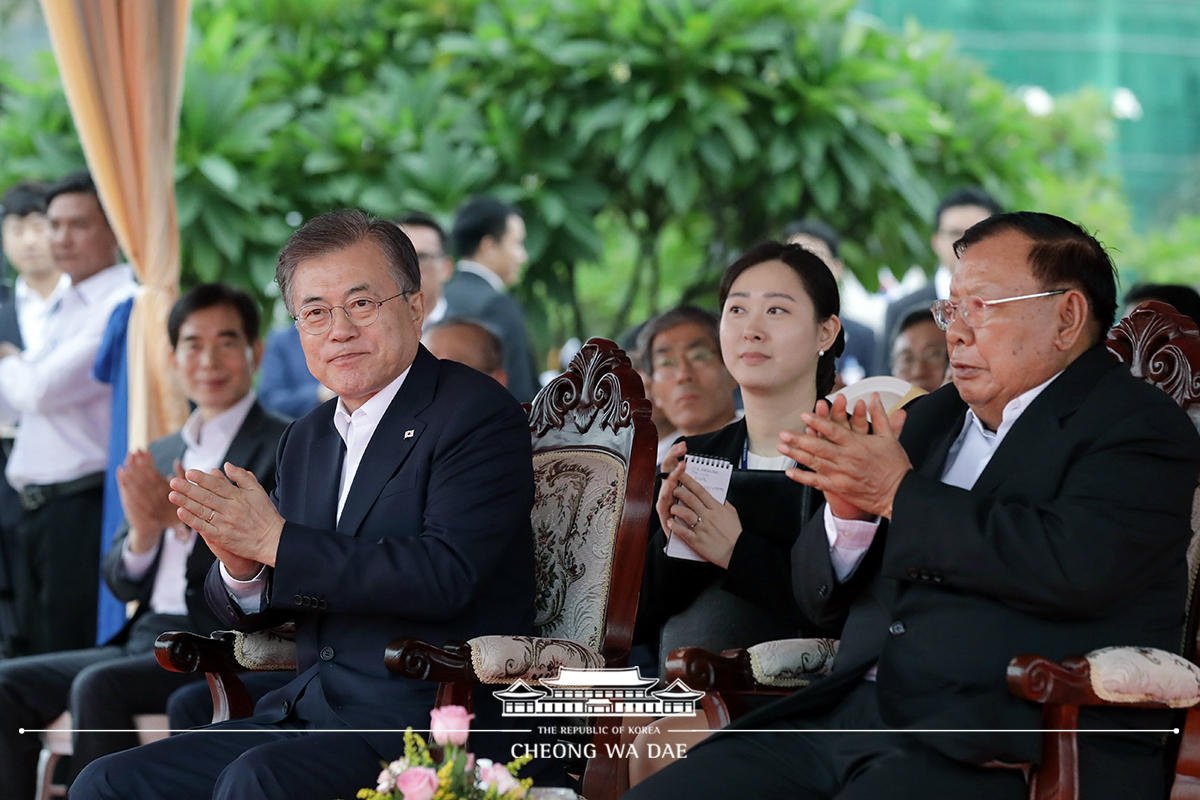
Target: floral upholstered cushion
x=576, y=509
x=792, y=662
x=268, y=650
x=1141, y=674
x=503, y=659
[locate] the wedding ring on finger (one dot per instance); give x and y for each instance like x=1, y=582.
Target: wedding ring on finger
x=211, y=515
x=697, y=522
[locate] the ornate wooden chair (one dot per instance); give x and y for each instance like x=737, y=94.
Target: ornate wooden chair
x=1163, y=348
x=593, y=453
x=594, y=461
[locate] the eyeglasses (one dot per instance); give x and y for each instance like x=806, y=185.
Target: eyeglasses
x=907, y=360
x=361, y=311
x=973, y=309
x=695, y=358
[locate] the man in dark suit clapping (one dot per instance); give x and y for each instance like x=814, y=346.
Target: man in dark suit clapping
x=402, y=509
x=1040, y=504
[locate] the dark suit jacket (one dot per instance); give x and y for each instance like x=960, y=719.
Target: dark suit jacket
x=1073, y=538
x=434, y=542
x=698, y=604
x=253, y=448
x=897, y=310
x=10, y=501
x=468, y=295
x=285, y=385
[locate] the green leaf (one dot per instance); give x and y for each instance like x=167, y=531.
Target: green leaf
x=219, y=171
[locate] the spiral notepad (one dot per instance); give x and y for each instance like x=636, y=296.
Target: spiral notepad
x=713, y=474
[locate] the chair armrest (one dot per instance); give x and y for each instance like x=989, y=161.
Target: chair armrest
x=775, y=667
x=181, y=651
x=1134, y=677
x=489, y=659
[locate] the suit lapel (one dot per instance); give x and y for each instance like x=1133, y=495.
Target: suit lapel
x=324, y=476
x=397, y=433
x=246, y=443
x=1044, y=417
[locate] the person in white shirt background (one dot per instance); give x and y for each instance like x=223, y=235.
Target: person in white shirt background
x=58, y=457
x=25, y=231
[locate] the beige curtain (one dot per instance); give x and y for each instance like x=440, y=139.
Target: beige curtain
x=121, y=63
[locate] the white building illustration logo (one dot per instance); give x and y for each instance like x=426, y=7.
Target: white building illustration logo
x=597, y=693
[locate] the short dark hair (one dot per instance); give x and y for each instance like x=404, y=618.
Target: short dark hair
x=477, y=218
x=23, y=198
x=819, y=285
x=816, y=229
x=1063, y=253
x=208, y=295
x=965, y=196
x=337, y=230
x=680, y=315
x=913, y=318
x=493, y=345
x=1184, y=299
x=419, y=219
x=76, y=183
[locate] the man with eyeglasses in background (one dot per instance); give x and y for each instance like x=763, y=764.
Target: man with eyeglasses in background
x=919, y=355
x=1040, y=504
x=681, y=352
x=401, y=509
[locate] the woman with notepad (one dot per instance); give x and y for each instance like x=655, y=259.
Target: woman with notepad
x=718, y=574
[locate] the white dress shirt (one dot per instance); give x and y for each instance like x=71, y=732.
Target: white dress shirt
x=33, y=310
x=207, y=443
x=356, y=429
x=941, y=282
x=436, y=314
x=65, y=414
x=475, y=268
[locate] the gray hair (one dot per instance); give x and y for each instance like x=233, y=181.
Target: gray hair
x=337, y=230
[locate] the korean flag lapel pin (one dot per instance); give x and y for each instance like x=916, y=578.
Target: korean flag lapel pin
x=409, y=434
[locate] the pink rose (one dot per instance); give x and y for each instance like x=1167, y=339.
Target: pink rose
x=449, y=725
x=497, y=776
x=418, y=783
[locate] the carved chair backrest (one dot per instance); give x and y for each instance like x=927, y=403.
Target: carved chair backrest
x=594, y=449
x=1162, y=347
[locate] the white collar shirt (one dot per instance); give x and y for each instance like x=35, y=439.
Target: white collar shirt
x=33, y=310
x=65, y=413
x=436, y=314
x=975, y=445
x=941, y=282
x=475, y=268
x=206, y=445
x=357, y=428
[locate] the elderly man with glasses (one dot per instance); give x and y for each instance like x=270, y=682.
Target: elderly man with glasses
x=1039, y=504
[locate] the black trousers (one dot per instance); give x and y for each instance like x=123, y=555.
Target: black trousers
x=802, y=763
x=102, y=687
x=192, y=706
x=56, y=574
x=240, y=760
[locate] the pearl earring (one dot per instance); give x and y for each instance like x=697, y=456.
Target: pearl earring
x=820, y=352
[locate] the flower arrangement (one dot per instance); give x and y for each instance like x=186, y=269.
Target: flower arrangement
x=456, y=775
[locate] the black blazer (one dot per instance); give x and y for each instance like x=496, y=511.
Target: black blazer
x=434, y=542
x=752, y=598
x=468, y=295
x=1073, y=538
x=252, y=448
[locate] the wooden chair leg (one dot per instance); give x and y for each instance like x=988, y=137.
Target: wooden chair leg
x=1057, y=778
x=46, y=787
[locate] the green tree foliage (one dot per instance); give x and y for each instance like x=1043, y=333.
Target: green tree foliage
x=645, y=142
